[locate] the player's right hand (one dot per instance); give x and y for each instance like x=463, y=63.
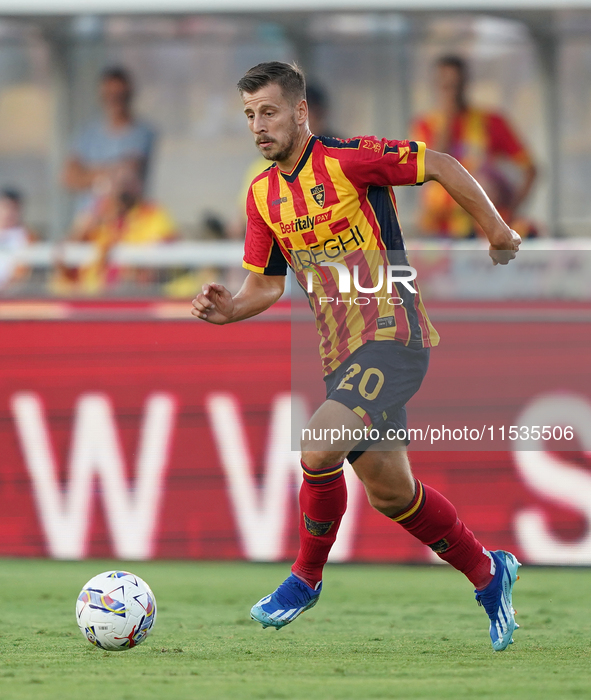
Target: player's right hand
x=214, y=304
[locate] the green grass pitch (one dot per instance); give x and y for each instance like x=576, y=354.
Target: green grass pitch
x=377, y=632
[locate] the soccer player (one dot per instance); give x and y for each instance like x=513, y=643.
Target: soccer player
x=328, y=200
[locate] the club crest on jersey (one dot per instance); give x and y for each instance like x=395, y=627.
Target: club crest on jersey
x=318, y=194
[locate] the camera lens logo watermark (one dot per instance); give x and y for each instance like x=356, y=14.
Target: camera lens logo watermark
x=392, y=276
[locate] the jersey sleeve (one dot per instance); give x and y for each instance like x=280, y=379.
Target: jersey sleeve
x=383, y=162
x=262, y=253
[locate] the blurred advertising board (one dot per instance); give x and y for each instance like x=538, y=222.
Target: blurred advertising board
x=170, y=439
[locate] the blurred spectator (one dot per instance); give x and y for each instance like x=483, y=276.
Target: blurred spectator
x=121, y=216
x=486, y=146
x=115, y=138
x=318, y=111
x=186, y=280
x=14, y=235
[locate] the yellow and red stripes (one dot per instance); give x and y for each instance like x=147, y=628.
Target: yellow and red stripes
x=322, y=476
x=337, y=205
x=414, y=508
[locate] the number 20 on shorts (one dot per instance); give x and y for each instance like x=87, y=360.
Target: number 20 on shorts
x=353, y=371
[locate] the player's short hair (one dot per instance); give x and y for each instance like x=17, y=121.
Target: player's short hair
x=289, y=77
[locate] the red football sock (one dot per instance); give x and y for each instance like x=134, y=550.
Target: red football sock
x=323, y=501
x=432, y=519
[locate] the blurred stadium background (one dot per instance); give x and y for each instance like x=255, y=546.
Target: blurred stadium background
x=127, y=429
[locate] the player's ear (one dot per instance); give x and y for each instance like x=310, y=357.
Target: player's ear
x=302, y=112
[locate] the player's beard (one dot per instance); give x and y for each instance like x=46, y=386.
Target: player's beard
x=283, y=152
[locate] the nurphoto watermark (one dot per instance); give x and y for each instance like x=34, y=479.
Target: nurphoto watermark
x=391, y=274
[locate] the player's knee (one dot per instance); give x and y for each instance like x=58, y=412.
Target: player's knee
x=316, y=460
x=390, y=500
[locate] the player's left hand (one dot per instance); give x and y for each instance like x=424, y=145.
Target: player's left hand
x=503, y=251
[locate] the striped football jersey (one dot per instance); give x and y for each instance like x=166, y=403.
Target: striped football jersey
x=335, y=213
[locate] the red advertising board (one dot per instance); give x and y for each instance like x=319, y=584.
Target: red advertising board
x=170, y=439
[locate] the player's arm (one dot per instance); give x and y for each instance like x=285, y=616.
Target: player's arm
x=444, y=169
x=216, y=305
x=263, y=286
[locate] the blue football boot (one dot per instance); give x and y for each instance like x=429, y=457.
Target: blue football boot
x=496, y=600
x=292, y=598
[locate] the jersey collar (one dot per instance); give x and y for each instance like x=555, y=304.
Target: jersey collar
x=302, y=160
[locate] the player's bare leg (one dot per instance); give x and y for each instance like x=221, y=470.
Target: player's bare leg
x=387, y=478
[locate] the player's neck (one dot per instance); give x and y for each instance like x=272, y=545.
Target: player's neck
x=290, y=162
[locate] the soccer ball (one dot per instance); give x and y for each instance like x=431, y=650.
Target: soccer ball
x=116, y=610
